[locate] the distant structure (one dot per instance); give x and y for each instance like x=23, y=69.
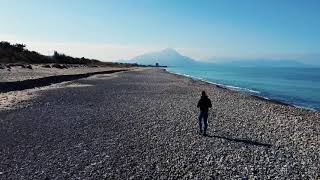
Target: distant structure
x=157, y=64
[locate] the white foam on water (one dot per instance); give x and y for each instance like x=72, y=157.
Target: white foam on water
x=235, y=88
x=304, y=107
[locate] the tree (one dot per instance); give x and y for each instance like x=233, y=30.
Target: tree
x=5, y=45
x=19, y=47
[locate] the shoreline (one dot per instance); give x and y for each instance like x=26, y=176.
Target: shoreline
x=226, y=87
x=34, y=82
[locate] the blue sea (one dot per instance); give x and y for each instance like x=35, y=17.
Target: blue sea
x=296, y=86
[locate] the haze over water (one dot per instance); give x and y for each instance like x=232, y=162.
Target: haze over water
x=293, y=85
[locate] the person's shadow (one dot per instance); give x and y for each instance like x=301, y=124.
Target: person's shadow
x=249, y=142
x=245, y=141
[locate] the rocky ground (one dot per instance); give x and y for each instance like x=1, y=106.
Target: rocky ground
x=142, y=125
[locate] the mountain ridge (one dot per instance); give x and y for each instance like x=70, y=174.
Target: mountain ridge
x=171, y=57
x=167, y=57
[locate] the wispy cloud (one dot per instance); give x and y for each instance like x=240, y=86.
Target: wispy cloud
x=115, y=52
x=105, y=51
x=101, y=51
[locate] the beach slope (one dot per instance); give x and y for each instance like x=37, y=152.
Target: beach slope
x=143, y=124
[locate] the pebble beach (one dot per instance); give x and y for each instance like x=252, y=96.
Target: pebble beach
x=142, y=124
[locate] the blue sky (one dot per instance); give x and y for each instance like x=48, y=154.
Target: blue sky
x=111, y=30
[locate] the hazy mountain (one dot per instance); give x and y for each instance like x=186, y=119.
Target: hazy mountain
x=170, y=57
x=166, y=57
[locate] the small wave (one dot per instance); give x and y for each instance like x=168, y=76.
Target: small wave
x=187, y=75
x=242, y=89
x=235, y=88
x=253, y=92
x=304, y=107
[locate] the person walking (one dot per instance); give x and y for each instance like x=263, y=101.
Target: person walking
x=204, y=104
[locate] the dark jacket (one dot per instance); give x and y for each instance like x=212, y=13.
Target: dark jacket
x=204, y=104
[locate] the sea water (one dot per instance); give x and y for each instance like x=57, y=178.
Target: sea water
x=297, y=86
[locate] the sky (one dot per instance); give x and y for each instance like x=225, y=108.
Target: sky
x=110, y=30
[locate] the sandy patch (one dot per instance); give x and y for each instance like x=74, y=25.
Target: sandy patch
x=141, y=68
x=105, y=76
x=20, y=99
x=76, y=84
x=16, y=99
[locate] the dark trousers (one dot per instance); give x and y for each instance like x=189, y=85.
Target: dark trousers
x=203, y=116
